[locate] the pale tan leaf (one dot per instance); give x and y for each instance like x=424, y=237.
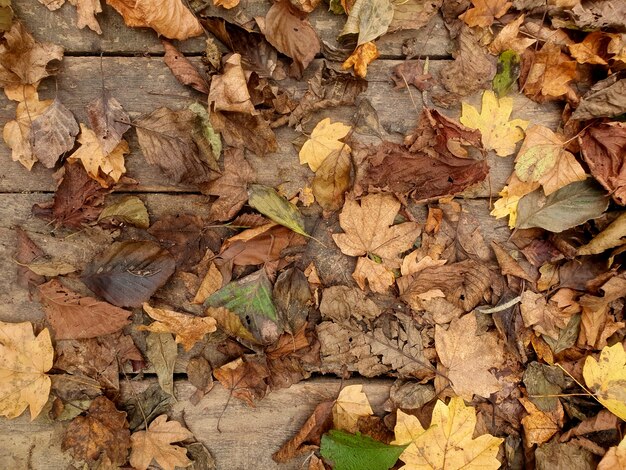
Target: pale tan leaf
x=156, y=444
x=350, y=405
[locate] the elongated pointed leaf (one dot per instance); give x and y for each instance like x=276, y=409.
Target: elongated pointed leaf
x=271, y=204
x=358, y=452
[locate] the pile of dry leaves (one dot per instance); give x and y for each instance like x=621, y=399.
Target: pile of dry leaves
x=506, y=353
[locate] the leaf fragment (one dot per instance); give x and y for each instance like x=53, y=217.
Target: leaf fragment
x=606, y=378
x=352, y=451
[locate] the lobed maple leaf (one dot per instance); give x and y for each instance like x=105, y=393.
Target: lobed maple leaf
x=485, y=12
x=606, y=378
x=323, y=141
x=350, y=405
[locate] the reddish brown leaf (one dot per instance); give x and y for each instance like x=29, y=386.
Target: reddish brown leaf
x=245, y=131
x=245, y=378
x=410, y=72
x=108, y=120
x=183, y=69
x=26, y=252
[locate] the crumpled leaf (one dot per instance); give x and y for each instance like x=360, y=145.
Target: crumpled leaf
x=598, y=14
x=73, y=316
x=448, y=442
x=25, y=61
x=569, y=206
x=52, y=133
x=544, y=317
x=271, y=204
x=508, y=38
x=547, y=72
x=333, y=179
x=607, y=98
x=289, y=31
x=539, y=426
x=362, y=56
x=24, y=361
x=485, y=12
x=128, y=273
x=127, y=210
x=155, y=443
x=169, y=18
x=367, y=20
x=244, y=378
x=229, y=91
x=351, y=451
x=606, y=378
x=188, y=329
x=242, y=130
x=323, y=141
x=149, y=404
x=350, y=405
x=498, y=133
x=183, y=69
x=101, y=434
x=612, y=236
x=411, y=72
x=86, y=11
x=108, y=120
x=468, y=357
x=161, y=351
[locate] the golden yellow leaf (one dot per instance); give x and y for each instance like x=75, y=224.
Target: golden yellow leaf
x=362, y=56
x=350, y=405
x=510, y=196
x=324, y=140
x=550, y=73
x=539, y=426
x=24, y=360
x=498, y=133
x=447, y=444
x=594, y=44
x=376, y=275
x=606, y=378
x=93, y=158
x=188, y=329
x=156, y=443
x=485, y=12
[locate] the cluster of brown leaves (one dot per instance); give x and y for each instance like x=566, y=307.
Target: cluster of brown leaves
x=250, y=290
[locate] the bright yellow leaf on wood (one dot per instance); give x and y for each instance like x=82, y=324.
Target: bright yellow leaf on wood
x=188, y=329
x=362, y=56
x=95, y=161
x=324, y=140
x=447, y=444
x=351, y=404
x=509, y=198
x=498, y=133
x=606, y=378
x=24, y=360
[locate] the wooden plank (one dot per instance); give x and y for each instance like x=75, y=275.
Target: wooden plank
x=60, y=28
x=246, y=439
x=143, y=84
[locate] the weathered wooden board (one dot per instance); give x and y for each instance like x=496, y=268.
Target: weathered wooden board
x=143, y=84
x=246, y=439
x=60, y=27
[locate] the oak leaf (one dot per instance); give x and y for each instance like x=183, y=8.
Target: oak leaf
x=485, y=12
x=155, y=443
x=24, y=361
x=606, y=378
x=169, y=18
x=448, y=442
x=498, y=133
x=188, y=329
x=350, y=405
x=323, y=141
x=362, y=56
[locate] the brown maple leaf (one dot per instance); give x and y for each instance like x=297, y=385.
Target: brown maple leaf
x=485, y=12
x=155, y=443
x=245, y=378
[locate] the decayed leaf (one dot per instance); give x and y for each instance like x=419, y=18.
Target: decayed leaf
x=611, y=237
x=597, y=323
x=72, y=316
x=127, y=210
x=485, y=12
x=606, y=378
x=108, y=120
x=350, y=405
x=539, y=426
x=362, y=56
x=86, y=11
x=323, y=141
x=569, y=206
x=147, y=405
x=229, y=91
x=245, y=379
x=498, y=133
x=162, y=351
x=545, y=317
x=548, y=73
x=508, y=264
x=188, y=329
x=468, y=357
x=289, y=31
x=24, y=361
x=102, y=433
x=155, y=443
x=52, y=133
x=96, y=162
x=169, y=18
x=368, y=20
x=231, y=324
x=271, y=204
x=333, y=179
x=25, y=61
x=413, y=14
x=128, y=273
x=448, y=442
x=245, y=131
x=411, y=72
x=351, y=451
x=183, y=69
x=508, y=38
x=604, y=99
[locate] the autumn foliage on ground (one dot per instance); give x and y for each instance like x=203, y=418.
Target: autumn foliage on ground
x=505, y=353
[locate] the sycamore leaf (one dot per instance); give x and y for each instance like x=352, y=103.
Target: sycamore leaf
x=539, y=425
x=24, y=361
x=156, y=444
x=362, y=56
x=606, y=378
x=324, y=140
x=498, y=133
x=611, y=237
x=448, y=442
x=374, y=274
x=350, y=405
x=188, y=329
x=355, y=451
x=169, y=18
x=367, y=19
x=128, y=210
x=485, y=12
x=549, y=73
x=271, y=204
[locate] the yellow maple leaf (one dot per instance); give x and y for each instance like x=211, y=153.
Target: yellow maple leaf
x=509, y=198
x=606, y=378
x=498, y=133
x=447, y=443
x=362, y=56
x=24, y=360
x=350, y=405
x=485, y=12
x=93, y=158
x=324, y=140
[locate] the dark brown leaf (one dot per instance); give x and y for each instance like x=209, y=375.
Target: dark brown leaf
x=245, y=378
x=183, y=69
x=128, y=273
x=53, y=133
x=410, y=72
x=26, y=252
x=147, y=405
x=292, y=298
x=108, y=120
x=607, y=98
x=199, y=375
x=245, y=131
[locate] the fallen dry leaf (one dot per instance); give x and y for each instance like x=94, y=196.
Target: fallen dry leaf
x=108, y=120
x=606, y=378
x=611, y=237
x=228, y=4
x=183, y=69
x=367, y=20
x=411, y=72
x=26, y=252
x=375, y=275
x=155, y=443
x=242, y=130
x=413, y=14
x=350, y=405
x=485, y=12
x=547, y=72
x=162, y=351
x=539, y=426
x=508, y=38
x=323, y=141
x=362, y=56
x=52, y=133
x=615, y=458
x=510, y=197
x=229, y=91
x=332, y=179
x=543, y=316
x=244, y=378
x=24, y=361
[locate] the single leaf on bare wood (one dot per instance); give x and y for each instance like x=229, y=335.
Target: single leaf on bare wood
x=245, y=378
x=108, y=120
x=289, y=31
x=169, y=18
x=24, y=60
x=469, y=357
x=72, y=316
x=155, y=443
x=53, y=133
x=332, y=179
x=128, y=273
x=161, y=350
x=183, y=69
x=485, y=12
x=100, y=435
x=24, y=361
x=362, y=56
